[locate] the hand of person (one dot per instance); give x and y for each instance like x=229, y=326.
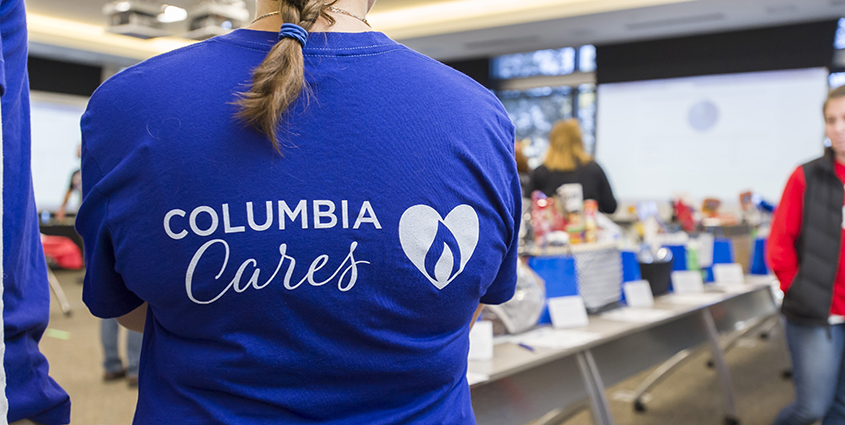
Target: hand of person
x=60, y=213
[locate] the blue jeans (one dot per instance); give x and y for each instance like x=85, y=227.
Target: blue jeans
x=818, y=375
x=112, y=362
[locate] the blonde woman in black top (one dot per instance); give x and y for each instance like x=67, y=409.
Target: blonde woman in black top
x=566, y=162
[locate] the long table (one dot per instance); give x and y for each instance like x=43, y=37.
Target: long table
x=523, y=383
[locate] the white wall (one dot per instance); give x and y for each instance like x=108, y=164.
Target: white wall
x=711, y=136
x=55, y=138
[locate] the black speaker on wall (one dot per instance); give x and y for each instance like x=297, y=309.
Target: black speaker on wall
x=477, y=69
x=797, y=46
x=63, y=77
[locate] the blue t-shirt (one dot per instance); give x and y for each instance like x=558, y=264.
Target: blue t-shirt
x=334, y=284
x=30, y=392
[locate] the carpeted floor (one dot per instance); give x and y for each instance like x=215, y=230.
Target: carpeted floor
x=690, y=396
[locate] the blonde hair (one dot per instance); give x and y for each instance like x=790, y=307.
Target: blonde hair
x=521, y=160
x=279, y=80
x=566, y=149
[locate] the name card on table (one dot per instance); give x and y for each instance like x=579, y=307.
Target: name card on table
x=481, y=341
x=728, y=274
x=556, y=338
x=568, y=312
x=706, y=298
x=638, y=294
x=636, y=315
x=476, y=378
x=687, y=282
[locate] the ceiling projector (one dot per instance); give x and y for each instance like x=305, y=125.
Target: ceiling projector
x=145, y=18
x=134, y=18
x=209, y=18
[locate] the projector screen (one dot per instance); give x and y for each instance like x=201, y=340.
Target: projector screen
x=55, y=138
x=710, y=136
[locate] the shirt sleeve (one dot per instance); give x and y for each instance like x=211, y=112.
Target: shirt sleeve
x=786, y=228
x=104, y=290
x=2, y=68
x=504, y=285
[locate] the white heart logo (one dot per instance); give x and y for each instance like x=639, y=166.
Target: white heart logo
x=422, y=237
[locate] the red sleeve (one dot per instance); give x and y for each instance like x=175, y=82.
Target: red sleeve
x=786, y=227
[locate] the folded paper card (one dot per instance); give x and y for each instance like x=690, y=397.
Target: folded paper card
x=687, y=282
x=481, y=341
x=568, y=312
x=638, y=294
x=728, y=274
x=556, y=338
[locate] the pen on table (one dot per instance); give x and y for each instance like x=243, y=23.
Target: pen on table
x=527, y=347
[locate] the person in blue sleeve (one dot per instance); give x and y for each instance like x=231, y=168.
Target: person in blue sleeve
x=112, y=364
x=27, y=394
x=303, y=218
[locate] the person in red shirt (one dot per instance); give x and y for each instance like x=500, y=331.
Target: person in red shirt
x=805, y=253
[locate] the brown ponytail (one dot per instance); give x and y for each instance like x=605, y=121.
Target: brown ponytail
x=280, y=78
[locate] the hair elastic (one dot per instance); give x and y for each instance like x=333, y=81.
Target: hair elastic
x=295, y=32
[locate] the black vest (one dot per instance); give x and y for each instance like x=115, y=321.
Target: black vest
x=809, y=297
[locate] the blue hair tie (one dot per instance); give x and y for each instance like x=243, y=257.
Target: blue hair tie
x=295, y=32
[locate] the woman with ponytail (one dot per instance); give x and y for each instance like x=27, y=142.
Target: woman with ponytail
x=303, y=217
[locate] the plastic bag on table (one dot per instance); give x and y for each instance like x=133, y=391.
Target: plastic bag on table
x=523, y=310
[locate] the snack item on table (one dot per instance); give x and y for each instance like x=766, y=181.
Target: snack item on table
x=684, y=215
x=545, y=217
x=571, y=198
x=576, y=234
x=591, y=209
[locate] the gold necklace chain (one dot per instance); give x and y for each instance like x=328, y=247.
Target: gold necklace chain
x=347, y=13
x=264, y=16
x=327, y=6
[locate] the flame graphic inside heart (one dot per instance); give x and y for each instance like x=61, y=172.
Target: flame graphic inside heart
x=439, y=247
x=444, y=258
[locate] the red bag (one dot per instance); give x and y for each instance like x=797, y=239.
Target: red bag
x=62, y=252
